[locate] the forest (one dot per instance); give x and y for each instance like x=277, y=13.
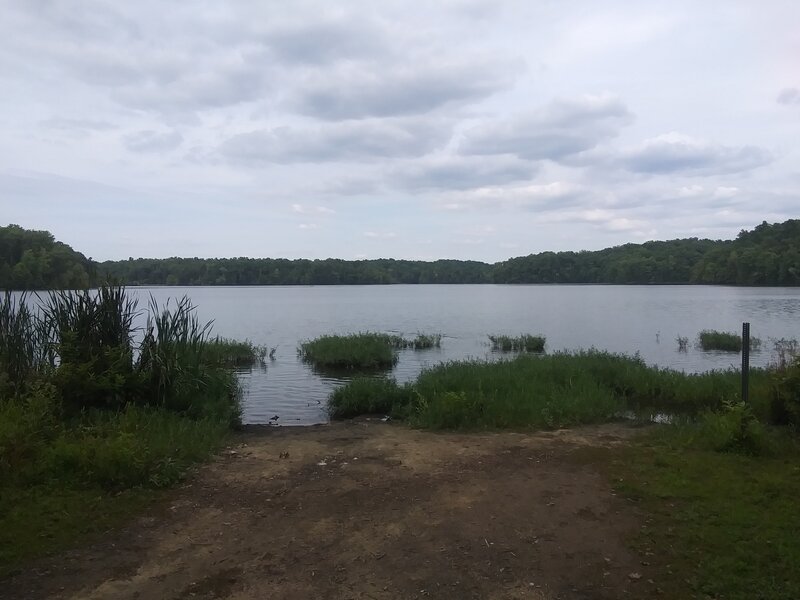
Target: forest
x=767, y=255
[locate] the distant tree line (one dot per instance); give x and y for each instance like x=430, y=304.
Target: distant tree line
x=767, y=255
x=33, y=260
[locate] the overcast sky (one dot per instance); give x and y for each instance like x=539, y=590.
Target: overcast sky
x=472, y=129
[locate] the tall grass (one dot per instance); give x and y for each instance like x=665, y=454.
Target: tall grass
x=21, y=353
x=522, y=343
x=710, y=339
x=550, y=391
x=84, y=410
x=367, y=395
x=235, y=353
x=357, y=351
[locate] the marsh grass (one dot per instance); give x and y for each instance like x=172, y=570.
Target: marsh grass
x=522, y=343
x=556, y=390
x=368, y=395
x=358, y=351
x=422, y=341
x=21, y=352
x=710, y=339
x=683, y=343
x=88, y=416
x=235, y=353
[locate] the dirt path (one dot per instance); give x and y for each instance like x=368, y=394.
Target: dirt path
x=370, y=510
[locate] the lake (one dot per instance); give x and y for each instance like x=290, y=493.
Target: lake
x=627, y=319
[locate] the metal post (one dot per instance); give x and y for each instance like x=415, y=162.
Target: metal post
x=745, y=362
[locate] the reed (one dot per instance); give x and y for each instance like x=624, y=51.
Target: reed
x=522, y=343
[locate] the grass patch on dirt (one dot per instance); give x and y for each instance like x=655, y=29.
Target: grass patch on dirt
x=719, y=524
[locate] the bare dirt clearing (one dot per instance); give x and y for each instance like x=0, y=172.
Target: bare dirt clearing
x=370, y=510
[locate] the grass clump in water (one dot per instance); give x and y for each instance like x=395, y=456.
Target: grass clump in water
x=357, y=351
x=235, y=353
x=710, y=339
x=522, y=343
x=422, y=341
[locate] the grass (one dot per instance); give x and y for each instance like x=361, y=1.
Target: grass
x=720, y=524
x=366, y=351
x=235, y=353
x=710, y=339
x=91, y=423
x=367, y=395
x=522, y=343
x=558, y=390
x=357, y=351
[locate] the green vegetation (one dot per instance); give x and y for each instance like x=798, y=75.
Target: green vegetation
x=720, y=524
x=683, y=343
x=710, y=339
x=235, y=353
x=90, y=422
x=362, y=351
x=357, y=351
x=523, y=343
x=367, y=395
x=422, y=341
x=33, y=260
x=556, y=391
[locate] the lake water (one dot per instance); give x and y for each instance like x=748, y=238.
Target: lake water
x=627, y=319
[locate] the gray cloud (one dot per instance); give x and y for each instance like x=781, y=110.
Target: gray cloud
x=342, y=141
x=789, y=96
x=674, y=153
x=152, y=141
x=326, y=41
x=378, y=91
x=76, y=125
x=556, y=131
x=457, y=173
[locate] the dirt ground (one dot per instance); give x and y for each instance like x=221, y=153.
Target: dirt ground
x=371, y=510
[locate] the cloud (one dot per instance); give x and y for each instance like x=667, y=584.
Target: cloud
x=678, y=153
x=355, y=91
x=561, y=129
x=389, y=235
x=308, y=226
x=152, y=141
x=461, y=172
x=312, y=210
x=789, y=96
x=77, y=125
x=331, y=39
x=551, y=196
x=344, y=141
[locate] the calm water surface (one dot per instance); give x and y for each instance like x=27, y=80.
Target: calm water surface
x=628, y=319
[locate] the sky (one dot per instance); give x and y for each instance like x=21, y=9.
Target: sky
x=468, y=129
